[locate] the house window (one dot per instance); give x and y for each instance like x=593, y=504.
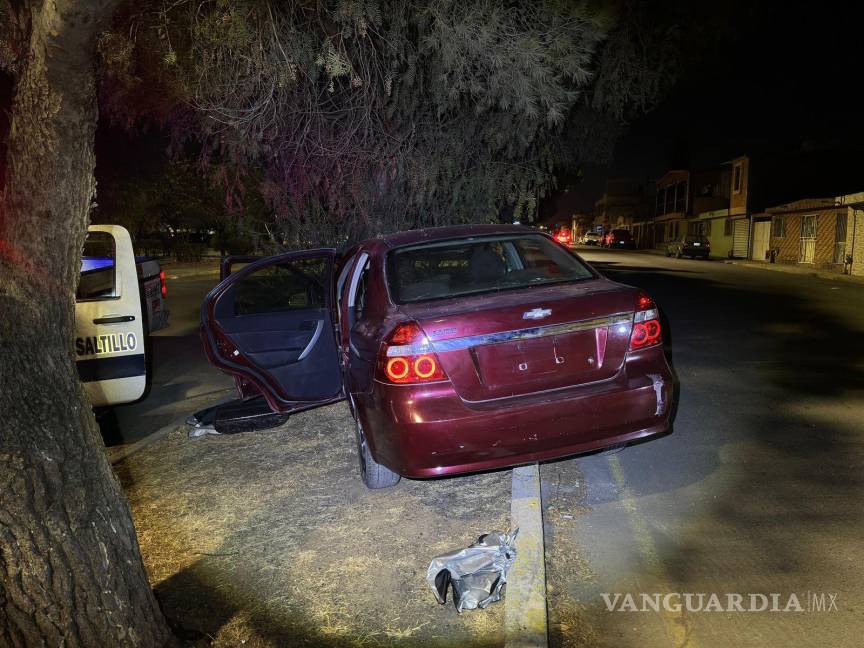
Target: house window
x=729, y=227
x=778, y=226
x=736, y=181
x=681, y=197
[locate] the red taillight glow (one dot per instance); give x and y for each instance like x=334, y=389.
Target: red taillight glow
x=407, y=358
x=404, y=334
x=647, y=331
x=162, y=283
x=645, y=302
x=398, y=369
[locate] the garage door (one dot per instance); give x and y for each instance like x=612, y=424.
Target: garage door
x=761, y=240
x=740, y=236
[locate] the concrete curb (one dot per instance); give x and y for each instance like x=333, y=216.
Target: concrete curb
x=774, y=267
x=525, y=624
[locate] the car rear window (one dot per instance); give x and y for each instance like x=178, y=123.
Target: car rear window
x=477, y=265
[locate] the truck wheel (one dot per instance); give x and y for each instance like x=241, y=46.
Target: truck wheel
x=374, y=475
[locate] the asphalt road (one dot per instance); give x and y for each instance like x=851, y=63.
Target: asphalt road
x=182, y=380
x=758, y=490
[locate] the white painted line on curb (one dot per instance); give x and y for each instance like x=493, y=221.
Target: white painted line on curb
x=525, y=601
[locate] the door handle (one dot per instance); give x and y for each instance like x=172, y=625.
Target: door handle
x=116, y=319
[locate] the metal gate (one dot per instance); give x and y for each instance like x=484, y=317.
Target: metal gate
x=808, y=239
x=761, y=240
x=740, y=237
x=840, y=238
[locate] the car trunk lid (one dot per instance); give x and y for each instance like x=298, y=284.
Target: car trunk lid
x=521, y=342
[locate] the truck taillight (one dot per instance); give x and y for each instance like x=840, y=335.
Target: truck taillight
x=646, y=324
x=162, y=284
x=407, y=357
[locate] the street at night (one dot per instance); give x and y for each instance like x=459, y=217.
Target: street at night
x=756, y=489
x=439, y=323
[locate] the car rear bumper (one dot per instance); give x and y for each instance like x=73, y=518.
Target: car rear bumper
x=700, y=251
x=428, y=431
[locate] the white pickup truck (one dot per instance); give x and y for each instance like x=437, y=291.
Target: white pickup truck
x=120, y=300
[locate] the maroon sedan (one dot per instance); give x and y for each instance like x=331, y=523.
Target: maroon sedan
x=458, y=349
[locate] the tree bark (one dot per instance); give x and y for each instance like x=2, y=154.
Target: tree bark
x=71, y=572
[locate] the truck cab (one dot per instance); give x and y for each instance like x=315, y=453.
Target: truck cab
x=110, y=331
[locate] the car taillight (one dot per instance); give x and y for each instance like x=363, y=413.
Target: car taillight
x=162, y=283
x=407, y=357
x=646, y=324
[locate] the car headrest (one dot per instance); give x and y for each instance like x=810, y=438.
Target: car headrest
x=486, y=265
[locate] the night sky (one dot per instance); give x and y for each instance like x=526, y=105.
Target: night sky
x=770, y=78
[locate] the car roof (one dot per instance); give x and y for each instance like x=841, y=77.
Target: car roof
x=430, y=234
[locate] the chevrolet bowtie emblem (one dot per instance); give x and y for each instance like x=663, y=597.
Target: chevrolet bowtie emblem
x=537, y=313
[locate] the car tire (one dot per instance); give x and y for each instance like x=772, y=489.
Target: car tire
x=373, y=474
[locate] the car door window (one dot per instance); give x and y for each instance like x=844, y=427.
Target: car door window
x=98, y=268
x=280, y=288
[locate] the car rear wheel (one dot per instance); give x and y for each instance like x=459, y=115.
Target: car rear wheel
x=374, y=475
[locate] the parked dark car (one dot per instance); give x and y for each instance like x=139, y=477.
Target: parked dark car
x=692, y=246
x=619, y=238
x=458, y=349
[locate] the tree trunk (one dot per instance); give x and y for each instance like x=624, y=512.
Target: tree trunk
x=71, y=572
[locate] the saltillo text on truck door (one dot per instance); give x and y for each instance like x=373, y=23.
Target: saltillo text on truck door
x=109, y=342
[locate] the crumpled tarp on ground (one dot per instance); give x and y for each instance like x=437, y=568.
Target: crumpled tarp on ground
x=477, y=573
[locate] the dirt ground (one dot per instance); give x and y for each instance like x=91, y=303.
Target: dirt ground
x=563, y=497
x=271, y=539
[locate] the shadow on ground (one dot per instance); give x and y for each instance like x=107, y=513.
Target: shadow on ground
x=271, y=539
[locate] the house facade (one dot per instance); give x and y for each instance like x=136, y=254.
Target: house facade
x=822, y=233
x=671, y=206
x=620, y=206
x=685, y=202
x=718, y=228
x=810, y=232
x=855, y=235
x=762, y=182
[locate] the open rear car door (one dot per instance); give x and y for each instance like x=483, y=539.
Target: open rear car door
x=270, y=325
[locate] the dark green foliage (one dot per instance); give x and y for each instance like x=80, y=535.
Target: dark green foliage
x=372, y=115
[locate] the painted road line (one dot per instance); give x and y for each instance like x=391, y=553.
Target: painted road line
x=678, y=628
x=525, y=602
